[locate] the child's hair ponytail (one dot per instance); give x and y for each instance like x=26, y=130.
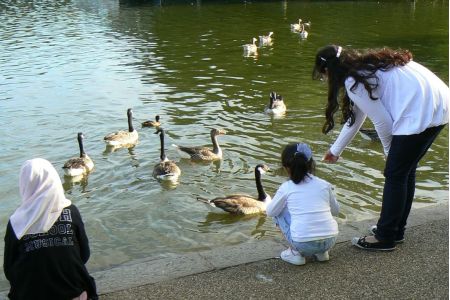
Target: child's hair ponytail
x=297, y=158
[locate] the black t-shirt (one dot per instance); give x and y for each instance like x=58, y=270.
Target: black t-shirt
x=50, y=265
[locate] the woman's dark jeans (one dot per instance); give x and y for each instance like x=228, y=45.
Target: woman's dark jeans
x=400, y=181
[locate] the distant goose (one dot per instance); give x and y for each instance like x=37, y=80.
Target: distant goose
x=123, y=138
x=307, y=24
x=243, y=204
x=204, y=153
x=303, y=32
x=149, y=123
x=166, y=169
x=77, y=166
x=296, y=26
x=369, y=134
x=250, y=49
x=276, y=105
x=265, y=39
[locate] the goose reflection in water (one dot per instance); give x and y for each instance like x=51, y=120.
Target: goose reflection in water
x=70, y=182
x=213, y=218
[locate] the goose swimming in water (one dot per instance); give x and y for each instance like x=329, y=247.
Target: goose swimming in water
x=166, y=169
x=303, y=32
x=77, y=166
x=150, y=123
x=296, y=26
x=123, y=138
x=244, y=204
x=204, y=153
x=265, y=40
x=250, y=49
x=276, y=105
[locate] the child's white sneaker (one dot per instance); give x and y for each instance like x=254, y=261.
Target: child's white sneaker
x=293, y=257
x=322, y=256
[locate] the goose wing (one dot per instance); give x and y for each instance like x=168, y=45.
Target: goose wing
x=75, y=163
x=166, y=168
x=238, y=204
x=197, y=151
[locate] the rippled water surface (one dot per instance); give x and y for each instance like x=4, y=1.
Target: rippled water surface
x=70, y=66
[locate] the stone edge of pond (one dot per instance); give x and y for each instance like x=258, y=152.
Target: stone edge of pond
x=148, y=271
x=152, y=271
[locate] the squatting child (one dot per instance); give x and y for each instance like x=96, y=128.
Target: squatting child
x=303, y=208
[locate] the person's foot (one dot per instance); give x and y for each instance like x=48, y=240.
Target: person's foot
x=322, y=256
x=293, y=257
x=371, y=243
x=373, y=231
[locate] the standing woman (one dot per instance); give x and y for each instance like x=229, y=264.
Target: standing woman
x=46, y=247
x=408, y=106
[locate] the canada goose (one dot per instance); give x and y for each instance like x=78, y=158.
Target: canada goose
x=250, y=49
x=204, y=153
x=165, y=169
x=243, y=204
x=123, y=138
x=77, y=166
x=296, y=26
x=149, y=123
x=265, y=39
x=276, y=105
x=303, y=32
x=369, y=134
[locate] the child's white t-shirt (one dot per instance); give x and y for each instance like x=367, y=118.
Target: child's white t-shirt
x=311, y=204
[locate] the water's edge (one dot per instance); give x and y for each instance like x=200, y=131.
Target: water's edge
x=148, y=271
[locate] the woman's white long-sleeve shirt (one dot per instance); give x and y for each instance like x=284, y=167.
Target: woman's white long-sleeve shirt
x=411, y=99
x=311, y=204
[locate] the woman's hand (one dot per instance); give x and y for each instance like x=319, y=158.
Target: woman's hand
x=330, y=157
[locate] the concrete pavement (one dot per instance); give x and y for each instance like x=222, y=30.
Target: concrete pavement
x=417, y=269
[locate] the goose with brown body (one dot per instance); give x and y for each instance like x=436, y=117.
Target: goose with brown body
x=244, y=204
x=150, y=123
x=205, y=153
x=123, y=138
x=166, y=169
x=81, y=165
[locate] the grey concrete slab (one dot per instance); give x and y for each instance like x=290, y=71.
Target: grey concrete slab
x=244, y=253
x=132, y=275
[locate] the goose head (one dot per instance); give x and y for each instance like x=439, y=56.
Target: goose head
x=215, y=132
x=262, y=169
x=272, y=98
x=157, y=118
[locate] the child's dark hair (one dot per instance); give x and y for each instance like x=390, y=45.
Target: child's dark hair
x=298, y=162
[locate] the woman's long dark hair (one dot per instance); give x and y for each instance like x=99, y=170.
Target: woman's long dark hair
x=297, y=163
x=352, y=63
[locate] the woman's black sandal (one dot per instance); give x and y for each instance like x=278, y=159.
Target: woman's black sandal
x=376, y=246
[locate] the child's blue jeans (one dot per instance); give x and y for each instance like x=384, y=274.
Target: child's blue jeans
x=283, y=221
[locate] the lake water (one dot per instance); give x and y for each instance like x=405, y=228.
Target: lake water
x=70, y=66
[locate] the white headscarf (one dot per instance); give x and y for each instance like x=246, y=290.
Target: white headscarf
x=42, y=198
